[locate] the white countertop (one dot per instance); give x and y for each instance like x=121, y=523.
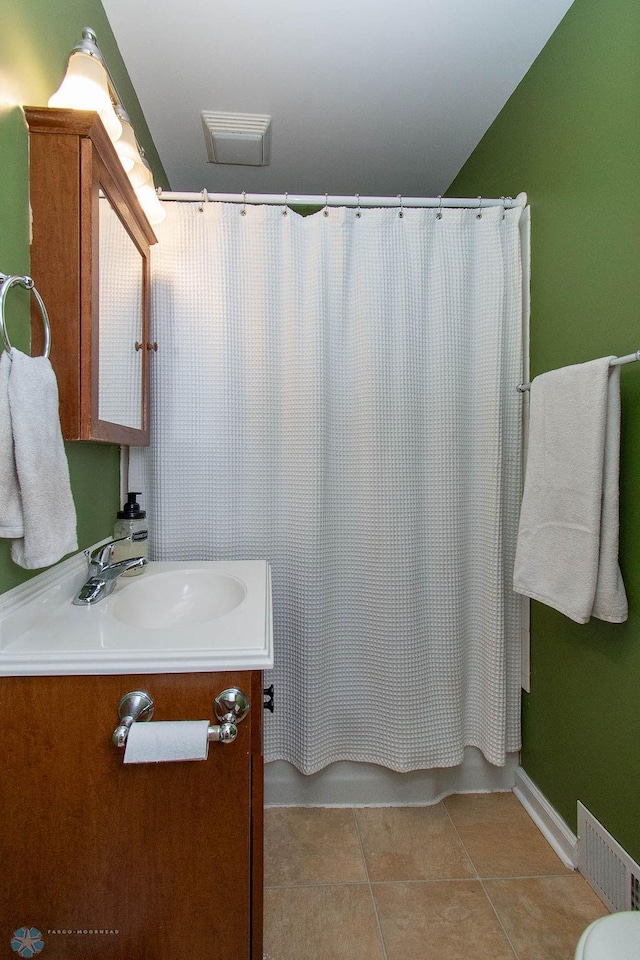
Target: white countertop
x=42, y=633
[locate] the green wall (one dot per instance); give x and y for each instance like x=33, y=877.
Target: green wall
x=35, y=41
x=570, y=137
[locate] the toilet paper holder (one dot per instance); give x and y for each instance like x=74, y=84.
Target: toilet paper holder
x=231, y=706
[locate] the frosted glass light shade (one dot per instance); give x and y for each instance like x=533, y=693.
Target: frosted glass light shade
x=139, y=173
x=149, y=202
x=126, y=146
x=85, y=88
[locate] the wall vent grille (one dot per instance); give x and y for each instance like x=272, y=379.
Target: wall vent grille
x=635, y=891
x=605, y=865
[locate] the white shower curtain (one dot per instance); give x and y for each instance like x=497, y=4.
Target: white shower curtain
x=336, y=393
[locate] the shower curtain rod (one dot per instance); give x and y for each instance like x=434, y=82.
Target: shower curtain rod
x=324, y=200
x=616, y=362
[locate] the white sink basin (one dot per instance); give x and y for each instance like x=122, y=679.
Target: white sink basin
x=176, y=617
x=176, y=598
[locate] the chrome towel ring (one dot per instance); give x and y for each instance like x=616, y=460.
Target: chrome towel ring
x=6, y=283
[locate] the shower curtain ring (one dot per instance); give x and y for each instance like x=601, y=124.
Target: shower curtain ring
x=285, y=211
x=479, y=213
x=358, y=210
x=326, y=205
x=401, y=212
x=205, y=199
x=243, y=211
x=439, y=213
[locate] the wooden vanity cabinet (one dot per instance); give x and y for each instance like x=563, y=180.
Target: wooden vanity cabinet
x=99, y=312
x=137, y=861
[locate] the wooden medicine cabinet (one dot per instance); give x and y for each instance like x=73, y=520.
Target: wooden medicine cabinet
x=90, y=263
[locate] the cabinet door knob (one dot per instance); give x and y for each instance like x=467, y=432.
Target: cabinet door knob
x=267, y=693
x=138, y=346
x=152, y=346
x=231, y=705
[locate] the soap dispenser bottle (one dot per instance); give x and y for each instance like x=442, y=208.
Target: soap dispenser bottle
x=132, y=523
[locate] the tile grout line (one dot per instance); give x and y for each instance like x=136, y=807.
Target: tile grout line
x=422, y=880
x=499, y=918
x=457, y=833
x=373, y=899
x=481, y=882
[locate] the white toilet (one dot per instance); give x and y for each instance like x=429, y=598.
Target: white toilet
x=616, y=937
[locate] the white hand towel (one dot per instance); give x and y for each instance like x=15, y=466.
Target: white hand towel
x=10, y=504
x=567, y=551
x=48, y=511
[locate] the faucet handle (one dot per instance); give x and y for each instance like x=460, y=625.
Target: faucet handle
x=114, y=570
x=103, y=556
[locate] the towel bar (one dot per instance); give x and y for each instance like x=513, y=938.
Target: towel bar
x=8, y=281
x=616, y=362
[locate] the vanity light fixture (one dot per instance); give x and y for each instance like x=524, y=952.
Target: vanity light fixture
x=140, y=171
x=148, y=198
x=126, y=145
x=131, y=154
x=88, y=85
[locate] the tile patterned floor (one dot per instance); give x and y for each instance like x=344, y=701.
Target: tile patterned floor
x=470, y=878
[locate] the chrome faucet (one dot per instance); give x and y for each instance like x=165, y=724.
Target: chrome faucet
x=103, y=573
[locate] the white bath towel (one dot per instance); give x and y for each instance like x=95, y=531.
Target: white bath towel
x=10, y=504
x=567, y=551
x=48, y=512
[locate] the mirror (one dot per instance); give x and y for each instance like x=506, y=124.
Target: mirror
x=120, y=348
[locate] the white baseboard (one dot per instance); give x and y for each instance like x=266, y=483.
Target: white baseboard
x=547, y=819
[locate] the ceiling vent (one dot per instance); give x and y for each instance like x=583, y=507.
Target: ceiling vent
x=237, y=138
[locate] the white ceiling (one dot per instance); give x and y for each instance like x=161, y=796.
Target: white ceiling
x=378, y=98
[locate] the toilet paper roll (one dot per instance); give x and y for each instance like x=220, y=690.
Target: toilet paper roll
x=169, y=740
